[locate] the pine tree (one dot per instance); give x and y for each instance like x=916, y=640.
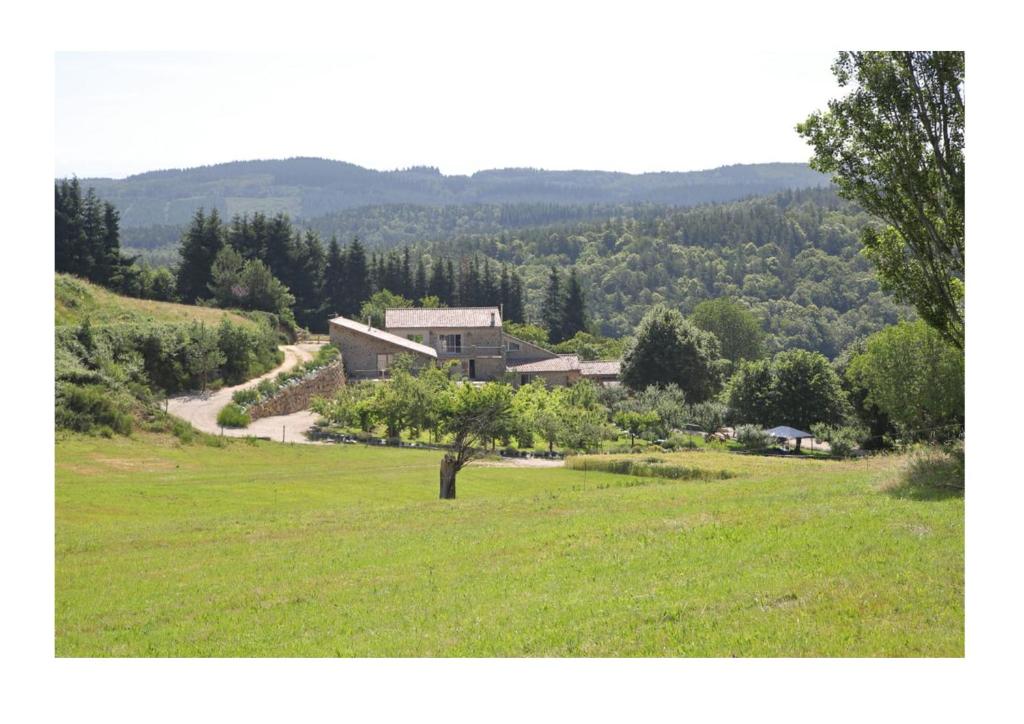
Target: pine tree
x=438, y=286
x=551, y=310
x=488, y=289
x=420, y=281
x=574, y=316
x=451, y=298
x=90, y=251
x=279, y=246
x=356, y=288
x=309, y=279
x=334, y=278
x=407, y=283
x=200, y=245
x=504, y=289
x=515, y=304
x=247, y=238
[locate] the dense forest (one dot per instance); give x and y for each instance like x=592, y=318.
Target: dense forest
x=308, y=187
x=792, y=258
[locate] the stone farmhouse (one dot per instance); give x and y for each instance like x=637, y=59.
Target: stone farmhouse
x=471, y=336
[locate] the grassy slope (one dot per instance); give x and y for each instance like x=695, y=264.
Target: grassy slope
x=75, y=299
x=265, y=549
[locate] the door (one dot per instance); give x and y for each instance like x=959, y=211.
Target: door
x=472, y=369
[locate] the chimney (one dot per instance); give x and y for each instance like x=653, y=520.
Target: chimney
x=492, y=319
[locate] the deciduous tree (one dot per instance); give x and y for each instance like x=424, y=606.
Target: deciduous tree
x=895, y=145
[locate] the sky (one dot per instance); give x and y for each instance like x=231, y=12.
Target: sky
x=120, y=113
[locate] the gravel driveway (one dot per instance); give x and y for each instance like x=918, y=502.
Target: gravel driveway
x=201, y=409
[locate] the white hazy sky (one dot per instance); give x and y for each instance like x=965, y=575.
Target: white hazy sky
x=123, y=113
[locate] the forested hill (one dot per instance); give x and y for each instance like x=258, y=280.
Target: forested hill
x=793, y=258
x=310, y=187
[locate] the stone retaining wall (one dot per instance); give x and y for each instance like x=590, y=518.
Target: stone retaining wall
x=324, y=383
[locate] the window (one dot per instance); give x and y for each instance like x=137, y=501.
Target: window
x=418, y=338
x=451, y=343
x=512, y=346
x=384, y=362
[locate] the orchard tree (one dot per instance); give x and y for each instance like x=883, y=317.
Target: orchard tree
x=895, y=145
x=669, y=349
x=472, y=415
x=636, y=423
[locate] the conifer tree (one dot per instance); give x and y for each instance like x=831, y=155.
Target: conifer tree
x=279, y=246
x=574, y=315
x=515, y=303
x=551, y=310
x=420, y=282
x=438, y=286
x=356, y=289
x=200, y=245
x=334, y=278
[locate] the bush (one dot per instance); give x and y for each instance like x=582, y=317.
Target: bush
x=843, y=440
x=92, y=409
x=233, y=416
x=752, y=437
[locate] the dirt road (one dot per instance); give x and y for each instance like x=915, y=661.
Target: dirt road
x=201, y=409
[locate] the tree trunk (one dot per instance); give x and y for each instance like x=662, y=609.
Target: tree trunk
x=448, y=478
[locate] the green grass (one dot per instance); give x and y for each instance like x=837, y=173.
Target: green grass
x=262, y=549
x=76, y=299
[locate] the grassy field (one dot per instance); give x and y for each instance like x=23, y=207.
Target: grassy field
x=262, y=549
x=75, y=299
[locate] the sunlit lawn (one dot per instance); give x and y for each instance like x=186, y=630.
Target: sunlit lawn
x=262, y=549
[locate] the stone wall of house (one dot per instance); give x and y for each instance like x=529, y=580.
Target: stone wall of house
x=360, y=351
x=324, y=383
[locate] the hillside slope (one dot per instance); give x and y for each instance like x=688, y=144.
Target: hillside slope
x=308, y=187
x=76, y=299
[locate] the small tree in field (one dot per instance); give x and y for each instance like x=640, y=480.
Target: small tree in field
x=472, y=415
x=635, y=423
x=203, y=353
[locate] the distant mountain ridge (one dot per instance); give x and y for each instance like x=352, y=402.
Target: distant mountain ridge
x=309, y=187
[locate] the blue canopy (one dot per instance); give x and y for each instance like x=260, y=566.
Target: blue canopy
x=789, y=433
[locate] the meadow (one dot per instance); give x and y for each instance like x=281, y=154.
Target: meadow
x=77, y=299
x=262, y=549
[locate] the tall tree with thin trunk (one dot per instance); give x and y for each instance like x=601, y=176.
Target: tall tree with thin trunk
x=895, y=145
x=551, y=311
x=574, y=312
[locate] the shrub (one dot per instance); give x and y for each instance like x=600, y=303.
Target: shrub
x=233, y=416
x=92, y=409
x=752, y=437
x=843, y=440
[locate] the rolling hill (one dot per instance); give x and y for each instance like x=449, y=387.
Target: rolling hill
x=310, y=187
x=77, y=299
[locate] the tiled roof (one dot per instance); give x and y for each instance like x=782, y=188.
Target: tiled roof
x=416, y=318
x=588, y=369
x=567, y=363
x=562, y=363
x=361, y=328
